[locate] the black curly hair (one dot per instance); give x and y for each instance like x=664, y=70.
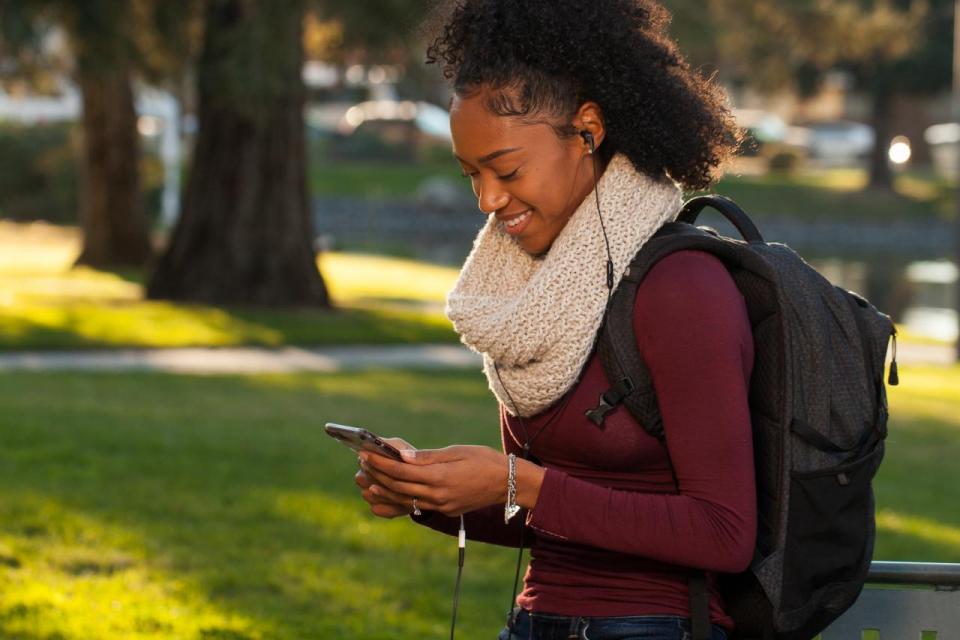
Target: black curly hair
x=545, y=58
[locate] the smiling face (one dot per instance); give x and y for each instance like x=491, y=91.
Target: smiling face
x=525, y=174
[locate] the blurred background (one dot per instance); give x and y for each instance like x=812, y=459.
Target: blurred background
x=184, y=180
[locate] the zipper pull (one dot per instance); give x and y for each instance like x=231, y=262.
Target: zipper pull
x=894, y=378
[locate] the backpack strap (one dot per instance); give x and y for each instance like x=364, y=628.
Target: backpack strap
x=700, y=627
x=623, y=364
x=620, y=354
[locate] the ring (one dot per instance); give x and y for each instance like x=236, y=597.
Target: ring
x=416, y=509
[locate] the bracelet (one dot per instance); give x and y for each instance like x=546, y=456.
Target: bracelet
x=511, y=508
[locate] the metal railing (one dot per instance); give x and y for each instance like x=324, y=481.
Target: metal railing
x=904, y=601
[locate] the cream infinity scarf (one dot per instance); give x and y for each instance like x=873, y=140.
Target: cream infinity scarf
x=536, y=318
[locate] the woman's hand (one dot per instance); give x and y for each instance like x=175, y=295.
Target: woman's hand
x=453, y=480
x=381, y=505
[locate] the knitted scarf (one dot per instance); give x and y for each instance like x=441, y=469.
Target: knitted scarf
x=537, y=318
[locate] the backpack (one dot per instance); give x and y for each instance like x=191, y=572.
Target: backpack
x=818, y=414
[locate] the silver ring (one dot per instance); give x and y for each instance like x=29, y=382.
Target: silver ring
x=416, y=509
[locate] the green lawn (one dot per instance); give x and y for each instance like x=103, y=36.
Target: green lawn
x=158, y=506
x=839, y=195
x=44, y=304
x=378, y=180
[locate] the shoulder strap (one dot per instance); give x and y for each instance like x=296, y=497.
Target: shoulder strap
x=624, y=365
x=631, y=383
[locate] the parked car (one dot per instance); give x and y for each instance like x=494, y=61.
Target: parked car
x=944, y=141
x=389, y=130
x=762, y=129
x=833, y=142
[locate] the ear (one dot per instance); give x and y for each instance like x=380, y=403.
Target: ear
x=589, y=117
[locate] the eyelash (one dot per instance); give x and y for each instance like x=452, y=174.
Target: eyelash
x=510, y=176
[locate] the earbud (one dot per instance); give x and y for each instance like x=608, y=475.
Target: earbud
x=588, y=138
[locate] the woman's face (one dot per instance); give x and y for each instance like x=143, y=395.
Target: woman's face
x=531, y=179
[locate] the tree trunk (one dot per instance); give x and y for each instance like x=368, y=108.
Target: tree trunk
x=244, y=235
x=881, y=177
x=115, y=229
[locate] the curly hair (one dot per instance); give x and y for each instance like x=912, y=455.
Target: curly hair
x=545, y=58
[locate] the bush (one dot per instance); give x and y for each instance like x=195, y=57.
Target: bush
x=40, y=177
x=41, y=173
x=784, y=162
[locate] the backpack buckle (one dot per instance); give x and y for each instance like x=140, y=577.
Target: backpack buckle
x=598, y=413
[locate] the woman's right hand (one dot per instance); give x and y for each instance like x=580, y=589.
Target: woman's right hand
x=381, y=505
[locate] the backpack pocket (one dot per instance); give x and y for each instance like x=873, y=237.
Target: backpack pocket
x=829, y=540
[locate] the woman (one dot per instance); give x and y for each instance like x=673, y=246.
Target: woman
x=577, y=124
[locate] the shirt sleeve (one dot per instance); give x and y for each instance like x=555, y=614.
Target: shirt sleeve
x=693, y=331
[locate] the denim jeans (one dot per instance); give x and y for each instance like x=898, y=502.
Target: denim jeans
x=543, y=626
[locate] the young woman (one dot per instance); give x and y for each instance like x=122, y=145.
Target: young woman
x=578, y=124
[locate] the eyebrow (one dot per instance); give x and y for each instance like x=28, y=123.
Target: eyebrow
x=490, y=156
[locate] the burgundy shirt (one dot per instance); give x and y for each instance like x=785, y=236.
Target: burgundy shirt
x=610, y=534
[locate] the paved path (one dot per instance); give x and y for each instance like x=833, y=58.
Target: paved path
x=244, y=360
x=291, y=359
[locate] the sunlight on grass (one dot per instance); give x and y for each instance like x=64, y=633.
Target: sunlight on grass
x=77, y=284
x=157, y=324
x=354, y=277
x=347, y=521
x=44, y=303
x=80, y=577
x=923, y=528
x=37, y=247
x=927, y=393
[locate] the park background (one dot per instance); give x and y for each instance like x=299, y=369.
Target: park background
x=237, y=173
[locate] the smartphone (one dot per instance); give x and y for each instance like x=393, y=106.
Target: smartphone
x=362, y=440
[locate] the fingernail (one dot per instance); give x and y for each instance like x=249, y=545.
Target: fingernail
x=363, y=457
x=408, y=454
x=374, y=489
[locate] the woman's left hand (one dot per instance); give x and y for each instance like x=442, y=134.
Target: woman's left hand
x=453, y=480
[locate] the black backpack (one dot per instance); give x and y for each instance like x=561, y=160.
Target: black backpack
x=819, y=417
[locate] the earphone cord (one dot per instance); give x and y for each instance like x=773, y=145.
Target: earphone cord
x=603, y=228
x=461, y=553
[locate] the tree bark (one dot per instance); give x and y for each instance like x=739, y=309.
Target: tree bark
x=115, y=228
x=881, y=177
x=244, y=235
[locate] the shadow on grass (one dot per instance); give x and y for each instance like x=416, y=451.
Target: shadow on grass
x=228, y=486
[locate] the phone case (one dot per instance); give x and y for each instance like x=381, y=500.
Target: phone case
x=361, y=440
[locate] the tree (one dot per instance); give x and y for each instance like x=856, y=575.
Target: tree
x=890, y=47
x=105, y=50
x=244, y=233
x=115, y=228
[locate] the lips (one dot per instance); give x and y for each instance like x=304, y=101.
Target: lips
x=515, y=224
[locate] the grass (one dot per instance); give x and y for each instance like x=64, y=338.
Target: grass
x=378, y=180
x=44, y=304
x=225, y=513
x=159, y=506
x=840, y=195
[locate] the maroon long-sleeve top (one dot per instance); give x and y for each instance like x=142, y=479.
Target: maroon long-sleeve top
x=611, y=534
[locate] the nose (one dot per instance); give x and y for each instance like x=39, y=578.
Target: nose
x=491, y=197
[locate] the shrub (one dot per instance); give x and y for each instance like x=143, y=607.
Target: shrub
x=40, y=176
